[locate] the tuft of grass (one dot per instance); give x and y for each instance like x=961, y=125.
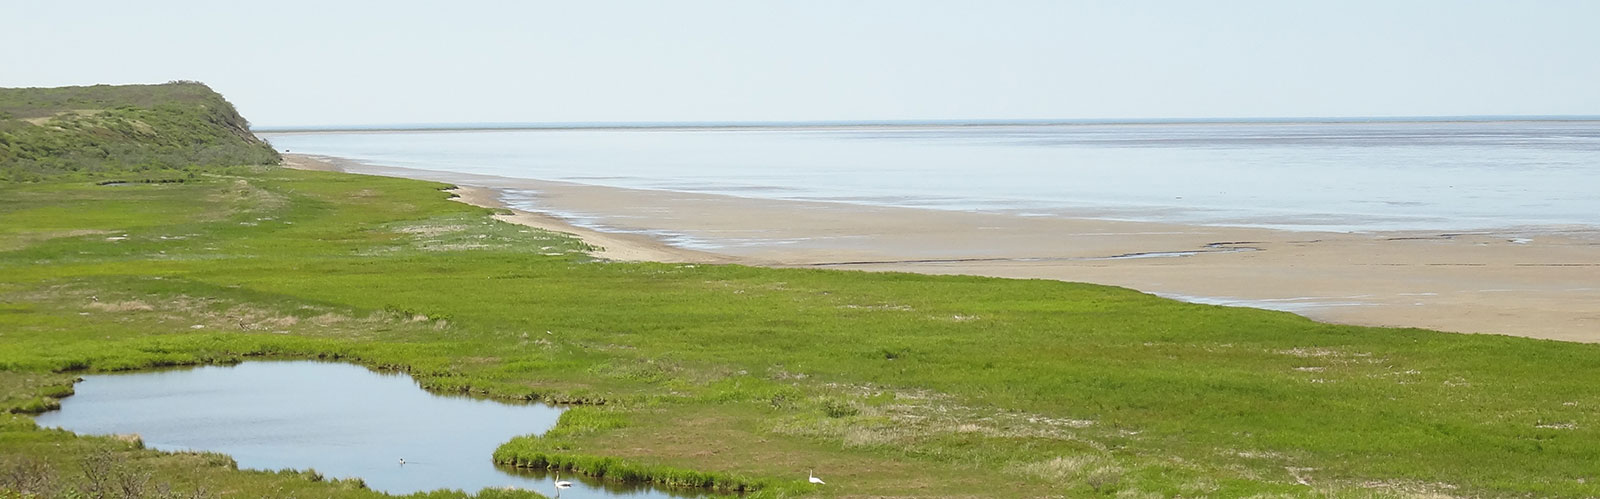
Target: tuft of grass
x=522, y=454
x=577, y=421
x=1103, y=480
x=1061, y=469
x=839, y=409
x=550, y=451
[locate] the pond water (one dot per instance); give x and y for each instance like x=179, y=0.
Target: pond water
x=339, y=419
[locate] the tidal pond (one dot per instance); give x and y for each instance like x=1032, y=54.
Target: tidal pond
x=342, y=420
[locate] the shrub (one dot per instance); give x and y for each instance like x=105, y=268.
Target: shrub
x=839, y=409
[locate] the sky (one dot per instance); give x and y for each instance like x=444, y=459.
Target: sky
x=328, y=63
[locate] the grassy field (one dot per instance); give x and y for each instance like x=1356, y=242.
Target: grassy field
x=885, y=384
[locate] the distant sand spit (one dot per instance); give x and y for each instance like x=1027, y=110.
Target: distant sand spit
x=1541, y=282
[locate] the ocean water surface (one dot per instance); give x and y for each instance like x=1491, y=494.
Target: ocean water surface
x=1353, y=176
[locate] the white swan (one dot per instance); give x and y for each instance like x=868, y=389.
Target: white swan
x=562, y=484
x=813, y=477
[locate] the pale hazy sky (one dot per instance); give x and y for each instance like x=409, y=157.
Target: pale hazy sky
x=325, y=62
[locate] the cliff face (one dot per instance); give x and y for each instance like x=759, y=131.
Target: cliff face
x=111, y=130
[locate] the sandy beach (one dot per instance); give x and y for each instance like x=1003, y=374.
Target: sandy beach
x=1537, y=282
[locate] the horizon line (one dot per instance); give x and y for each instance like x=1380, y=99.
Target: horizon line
x=976, y=122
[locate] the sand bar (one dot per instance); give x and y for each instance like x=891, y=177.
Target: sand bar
x=1541, y=282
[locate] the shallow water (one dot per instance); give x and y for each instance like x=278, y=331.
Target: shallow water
x=1299, y=176
x=340, y=419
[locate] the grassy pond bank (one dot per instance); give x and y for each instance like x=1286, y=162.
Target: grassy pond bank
x=344, y=421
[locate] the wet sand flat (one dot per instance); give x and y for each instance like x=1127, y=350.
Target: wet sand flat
x=1538, y=282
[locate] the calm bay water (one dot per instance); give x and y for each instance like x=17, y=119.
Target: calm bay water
x=1303, y=176
x=340, y=419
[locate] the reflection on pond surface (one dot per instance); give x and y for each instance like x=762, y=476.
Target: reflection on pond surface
x=340, y=419
x=593, y=487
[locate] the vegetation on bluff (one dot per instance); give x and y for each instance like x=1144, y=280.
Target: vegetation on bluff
x=157, y=131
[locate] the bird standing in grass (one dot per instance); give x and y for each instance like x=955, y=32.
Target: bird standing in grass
x=812, y=475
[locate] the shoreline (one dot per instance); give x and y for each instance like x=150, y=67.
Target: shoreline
x=613, y=246
x=1537, y=282
x=894, y=124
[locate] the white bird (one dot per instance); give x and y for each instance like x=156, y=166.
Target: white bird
x=402, y=461
x=814, y=479
x=562, y=484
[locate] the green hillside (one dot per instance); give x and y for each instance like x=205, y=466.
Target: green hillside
x=151, y=131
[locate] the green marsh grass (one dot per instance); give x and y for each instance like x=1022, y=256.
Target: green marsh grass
x=551, y=451
x=885, y=384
